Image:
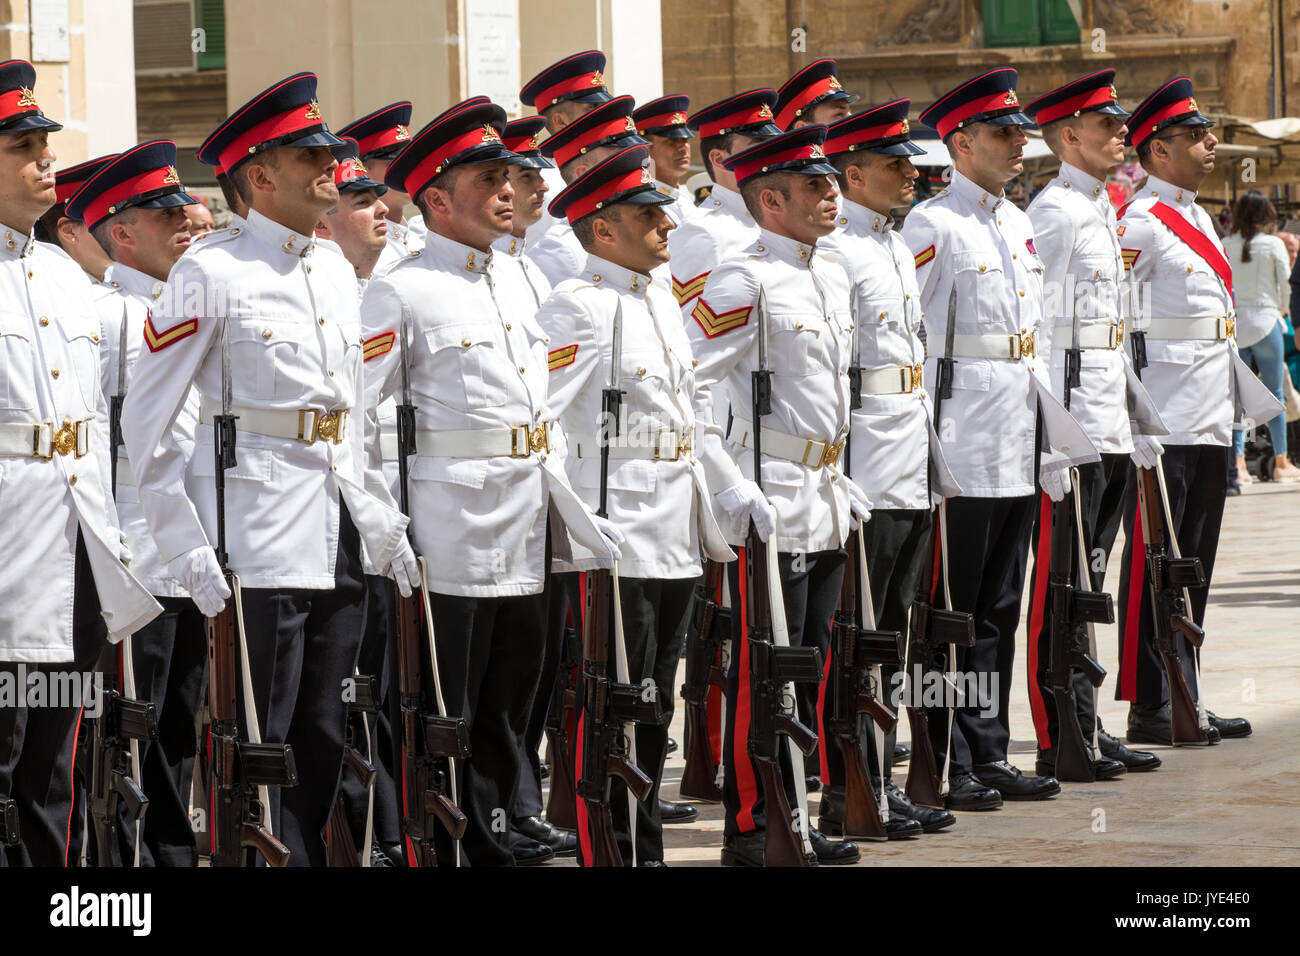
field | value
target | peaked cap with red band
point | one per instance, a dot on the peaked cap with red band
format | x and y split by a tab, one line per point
665	116
623	178
468	133
817	82
68	181
609	124
1094	93
749	113
881	129
383	132
987	98
18	110
580	78
798	151
350	175
523	137
1171	105
142	177
285	114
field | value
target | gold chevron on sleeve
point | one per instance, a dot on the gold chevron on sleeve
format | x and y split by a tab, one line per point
560	358
378	345
1130	258
685	291
714	323
157	341
925	255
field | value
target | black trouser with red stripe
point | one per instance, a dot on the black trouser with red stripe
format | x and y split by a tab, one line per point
810	586
988	548
561	589
1197	483
895	542
37	743
1101	486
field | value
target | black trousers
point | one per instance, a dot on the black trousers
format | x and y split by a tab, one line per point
895	541
988	548
375	659
1101	487
561	590
1197	483
302	646
37	743
810	586
489	660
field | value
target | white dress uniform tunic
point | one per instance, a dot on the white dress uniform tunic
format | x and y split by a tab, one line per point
558	254
477	366
682	207
721	228
658	494
401	243
54	469
295	352
516	250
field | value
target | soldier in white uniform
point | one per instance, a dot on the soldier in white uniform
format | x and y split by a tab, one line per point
662	123
65	579
1173	255
489	497
359	224
724	226
971	239
144	237
892	443
657	491
578	147
786	185
70	236
380	136
297	508
1074	230
813	96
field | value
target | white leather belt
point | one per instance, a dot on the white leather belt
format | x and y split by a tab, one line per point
388	445
665	446
813	452
999	346
892	380
307	425
518	441
43	440
1109	335
1213	328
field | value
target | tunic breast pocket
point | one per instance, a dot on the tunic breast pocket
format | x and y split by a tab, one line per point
980	283
473	365
84	347
17	370
261	357
798	348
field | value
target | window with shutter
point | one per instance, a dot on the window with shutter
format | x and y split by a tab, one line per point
210	16
162	36
1028	23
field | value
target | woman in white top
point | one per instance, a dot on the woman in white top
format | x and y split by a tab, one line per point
1261	274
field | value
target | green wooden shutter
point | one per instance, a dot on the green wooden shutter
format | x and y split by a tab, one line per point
210	16
1012	23
1059	25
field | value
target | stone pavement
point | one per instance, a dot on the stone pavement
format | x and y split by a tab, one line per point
1235	804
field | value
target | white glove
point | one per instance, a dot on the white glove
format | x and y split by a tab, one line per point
123	550
1146	450
745	501
404	569
613	537
1054	476
200	574
859	504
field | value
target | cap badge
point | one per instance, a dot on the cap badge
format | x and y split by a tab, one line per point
536	140
817	152
678	119
1011	99
597	79
765	112
905	126
631	126
354	166
313	111
834	82
1114	94
402	132
26	97
490	134
1191	104
645	176
172	178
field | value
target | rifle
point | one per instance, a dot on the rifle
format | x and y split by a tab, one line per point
562	800
934	634
774	666
1170	574
710	630
341	847
608	750
242	770
432	740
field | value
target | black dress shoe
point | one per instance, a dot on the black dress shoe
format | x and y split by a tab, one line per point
1106	768
391	850
670	812
379	860
930	821
743	849
672	746
562	842
812	784
900	827
1014	785
967	793
1229	726
1137	761
901	753
655	863
529	852
1149	725
830	817
832	852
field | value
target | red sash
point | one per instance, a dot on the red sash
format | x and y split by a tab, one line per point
1199	241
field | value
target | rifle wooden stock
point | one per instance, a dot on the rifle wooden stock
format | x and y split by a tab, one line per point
923	781
561	722
604	843
782	845
861	809
711	626
340	847
254	836
699	777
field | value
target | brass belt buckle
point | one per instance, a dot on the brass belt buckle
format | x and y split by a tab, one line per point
1116	333
65	440
1230	326
329	427
539	439
817	459
917	377
832	453
305	434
